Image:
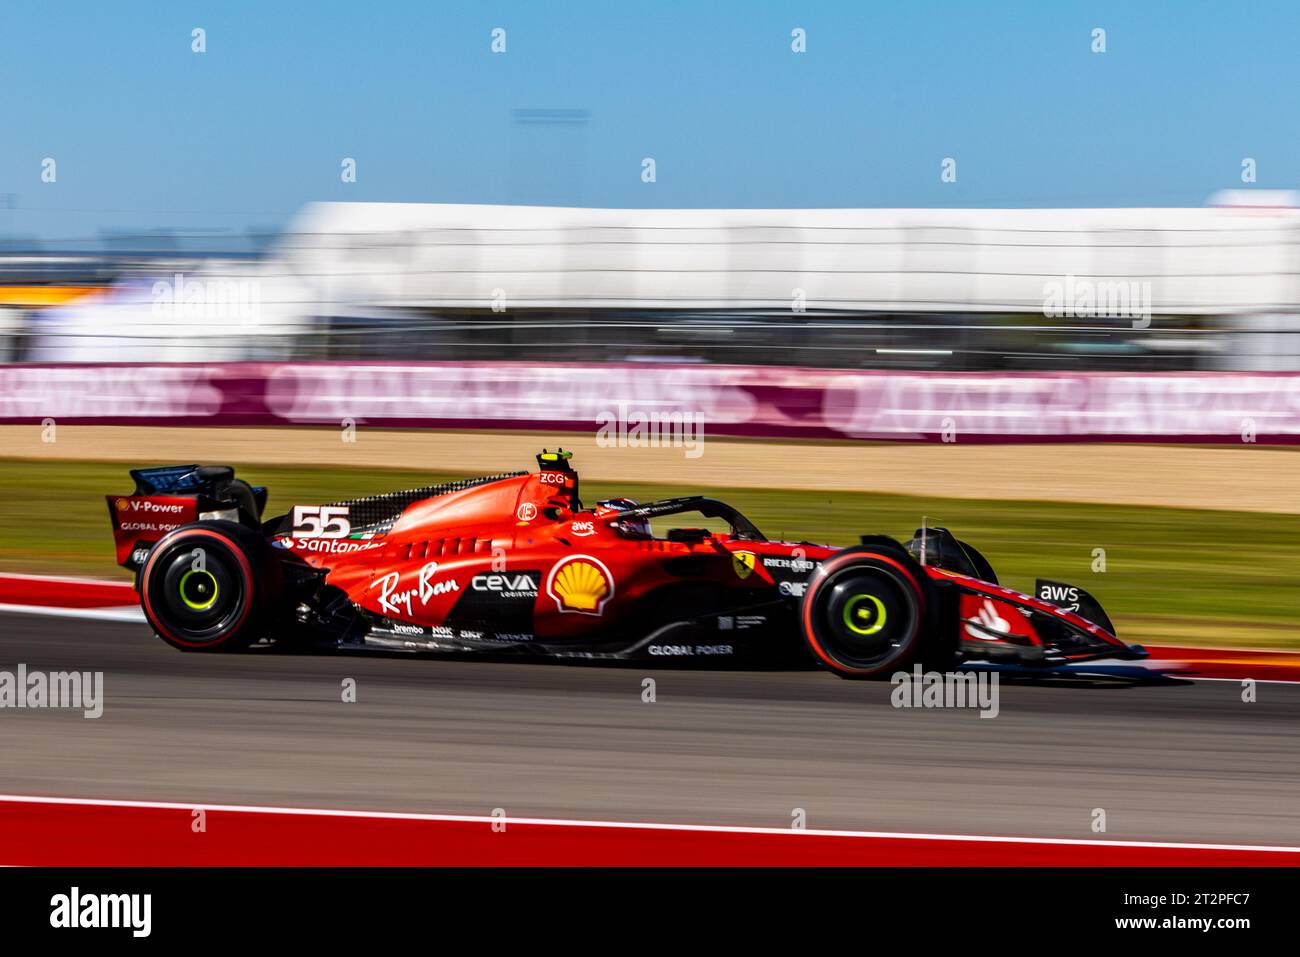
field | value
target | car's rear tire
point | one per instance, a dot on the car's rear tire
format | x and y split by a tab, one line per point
868	613
209	587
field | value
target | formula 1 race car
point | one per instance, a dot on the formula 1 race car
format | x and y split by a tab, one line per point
515	563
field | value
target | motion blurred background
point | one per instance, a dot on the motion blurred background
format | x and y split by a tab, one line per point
1131	290
894	263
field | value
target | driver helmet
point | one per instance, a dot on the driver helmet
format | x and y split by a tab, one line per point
632	526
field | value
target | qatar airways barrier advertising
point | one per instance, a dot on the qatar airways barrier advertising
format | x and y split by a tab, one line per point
757	401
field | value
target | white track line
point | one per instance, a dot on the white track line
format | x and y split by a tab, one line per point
63	579
630	825
1237	681
125	613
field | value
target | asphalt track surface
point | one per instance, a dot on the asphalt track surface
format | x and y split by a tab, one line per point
1182	761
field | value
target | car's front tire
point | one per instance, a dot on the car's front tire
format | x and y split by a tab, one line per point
209	587
868	613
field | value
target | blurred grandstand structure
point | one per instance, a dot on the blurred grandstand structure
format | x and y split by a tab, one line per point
1132	290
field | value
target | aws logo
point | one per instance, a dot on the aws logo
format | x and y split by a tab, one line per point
1062	596
580	585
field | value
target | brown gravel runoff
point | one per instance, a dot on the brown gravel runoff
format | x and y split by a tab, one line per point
1244	478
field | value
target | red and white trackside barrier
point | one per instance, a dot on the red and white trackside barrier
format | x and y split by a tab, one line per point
69	597
52	831
52	592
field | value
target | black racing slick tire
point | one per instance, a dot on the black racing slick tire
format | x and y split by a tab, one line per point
210	587
869	613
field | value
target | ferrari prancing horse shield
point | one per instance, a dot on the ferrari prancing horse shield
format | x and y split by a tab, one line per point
743	563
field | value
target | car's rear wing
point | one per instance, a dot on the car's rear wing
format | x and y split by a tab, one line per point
168	497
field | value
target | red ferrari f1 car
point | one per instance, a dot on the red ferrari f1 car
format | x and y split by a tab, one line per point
515	563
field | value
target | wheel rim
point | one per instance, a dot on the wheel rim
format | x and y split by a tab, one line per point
865	614
197	591
868	616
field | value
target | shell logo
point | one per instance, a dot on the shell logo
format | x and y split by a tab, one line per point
123	505
580	585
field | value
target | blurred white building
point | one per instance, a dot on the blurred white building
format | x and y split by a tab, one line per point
214	312
1224	259
371	275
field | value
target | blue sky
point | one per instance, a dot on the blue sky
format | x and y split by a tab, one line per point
147	134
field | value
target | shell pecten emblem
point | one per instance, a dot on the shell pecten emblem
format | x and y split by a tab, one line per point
580	585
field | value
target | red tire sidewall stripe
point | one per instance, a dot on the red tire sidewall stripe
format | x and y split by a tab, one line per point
244	567
829	567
